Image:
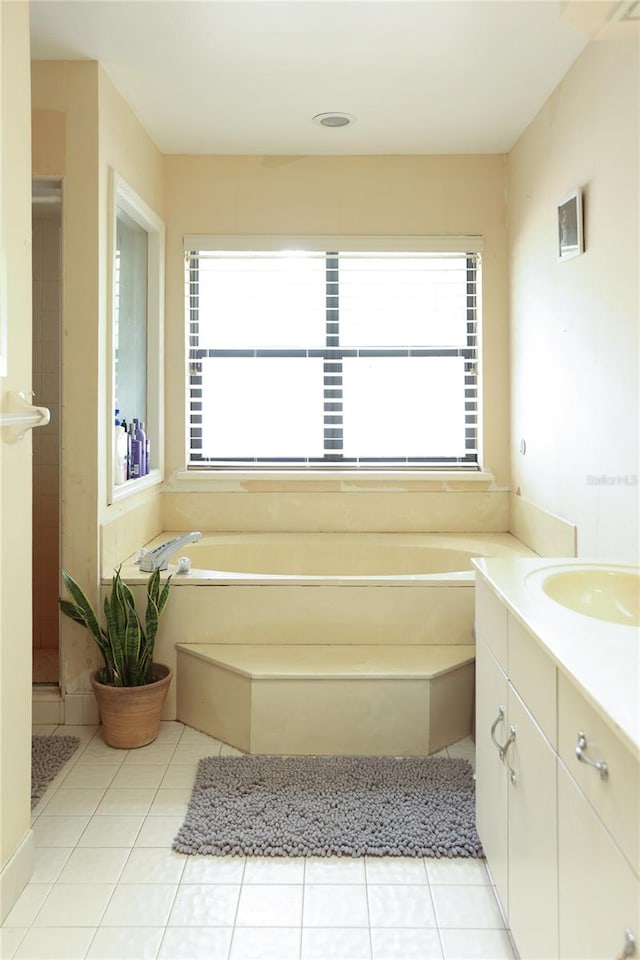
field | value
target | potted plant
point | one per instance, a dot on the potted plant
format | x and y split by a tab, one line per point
130	688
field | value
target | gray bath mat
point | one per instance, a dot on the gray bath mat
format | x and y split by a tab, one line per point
331	806
48	756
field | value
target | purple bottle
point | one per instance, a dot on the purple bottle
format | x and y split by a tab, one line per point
141	436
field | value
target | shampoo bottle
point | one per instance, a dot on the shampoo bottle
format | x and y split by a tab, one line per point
142	437
136	454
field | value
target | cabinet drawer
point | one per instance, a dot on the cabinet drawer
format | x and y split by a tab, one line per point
598	893
533	674
615	799
491	621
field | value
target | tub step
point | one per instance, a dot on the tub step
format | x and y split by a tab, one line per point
382	700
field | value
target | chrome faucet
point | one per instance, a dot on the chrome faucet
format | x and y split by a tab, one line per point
158	557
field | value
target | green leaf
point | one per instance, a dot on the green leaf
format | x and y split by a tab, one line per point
83	607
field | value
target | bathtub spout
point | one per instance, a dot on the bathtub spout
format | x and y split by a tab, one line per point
158	558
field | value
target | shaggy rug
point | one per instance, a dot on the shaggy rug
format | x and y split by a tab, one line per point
331	806
48	756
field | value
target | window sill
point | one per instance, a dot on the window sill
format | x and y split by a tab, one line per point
129	487
347	481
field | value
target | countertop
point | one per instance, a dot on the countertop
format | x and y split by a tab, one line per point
601	658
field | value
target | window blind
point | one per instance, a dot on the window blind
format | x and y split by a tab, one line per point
332	357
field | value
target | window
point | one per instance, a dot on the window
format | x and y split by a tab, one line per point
332	357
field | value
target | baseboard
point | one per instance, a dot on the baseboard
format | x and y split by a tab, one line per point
47	705
544	532
16	874
81	709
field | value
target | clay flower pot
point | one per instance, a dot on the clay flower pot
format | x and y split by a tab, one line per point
130	716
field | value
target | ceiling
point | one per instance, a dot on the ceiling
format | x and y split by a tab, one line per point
247	76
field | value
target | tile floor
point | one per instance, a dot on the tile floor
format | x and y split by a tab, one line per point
106	883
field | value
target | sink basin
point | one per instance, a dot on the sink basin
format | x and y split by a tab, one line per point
608	593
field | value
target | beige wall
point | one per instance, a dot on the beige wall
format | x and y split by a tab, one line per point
82	127
343	196
574	325
15	458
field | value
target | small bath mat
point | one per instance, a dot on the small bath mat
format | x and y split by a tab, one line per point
48	756
331	806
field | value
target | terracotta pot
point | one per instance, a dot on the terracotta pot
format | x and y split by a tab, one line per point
130	716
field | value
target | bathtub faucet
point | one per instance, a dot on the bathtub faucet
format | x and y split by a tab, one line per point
158	558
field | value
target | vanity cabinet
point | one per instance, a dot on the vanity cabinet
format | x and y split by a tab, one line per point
516	782
562	841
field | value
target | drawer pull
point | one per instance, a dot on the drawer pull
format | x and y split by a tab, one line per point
512	737
495	723
600	765
629	949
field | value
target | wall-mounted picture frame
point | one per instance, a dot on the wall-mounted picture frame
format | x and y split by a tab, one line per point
570	232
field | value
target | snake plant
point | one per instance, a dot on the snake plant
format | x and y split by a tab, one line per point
126	643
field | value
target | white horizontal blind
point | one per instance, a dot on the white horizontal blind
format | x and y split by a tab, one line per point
332	357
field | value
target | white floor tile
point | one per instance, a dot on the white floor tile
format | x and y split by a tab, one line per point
94	865
213	870
196	943
260	943
170	802
74	802
146	775
48	863
226	750
74	905
334	870
111	832
197	738
156	754
460	870
26	907
190	752
274	870
133	901
270	905
465	750
402	944
43	729
335	905
58	831
158	831
91	775
477	945
400	905
126	943
466	907
170	731
335	943
10	938
214	905
180	775
126	802
395	870
55	943
153	865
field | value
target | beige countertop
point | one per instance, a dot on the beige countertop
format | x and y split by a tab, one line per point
601	658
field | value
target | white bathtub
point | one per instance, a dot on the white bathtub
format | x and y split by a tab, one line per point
350	557
370	591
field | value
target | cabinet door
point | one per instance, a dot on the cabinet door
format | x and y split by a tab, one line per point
491	775
599	892
533	848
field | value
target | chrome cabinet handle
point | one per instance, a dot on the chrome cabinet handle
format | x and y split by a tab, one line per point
629	949
600	765
512	737
494	725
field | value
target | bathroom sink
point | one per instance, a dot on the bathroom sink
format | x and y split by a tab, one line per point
604	592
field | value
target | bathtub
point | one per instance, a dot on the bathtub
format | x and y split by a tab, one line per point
348	589
345	643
